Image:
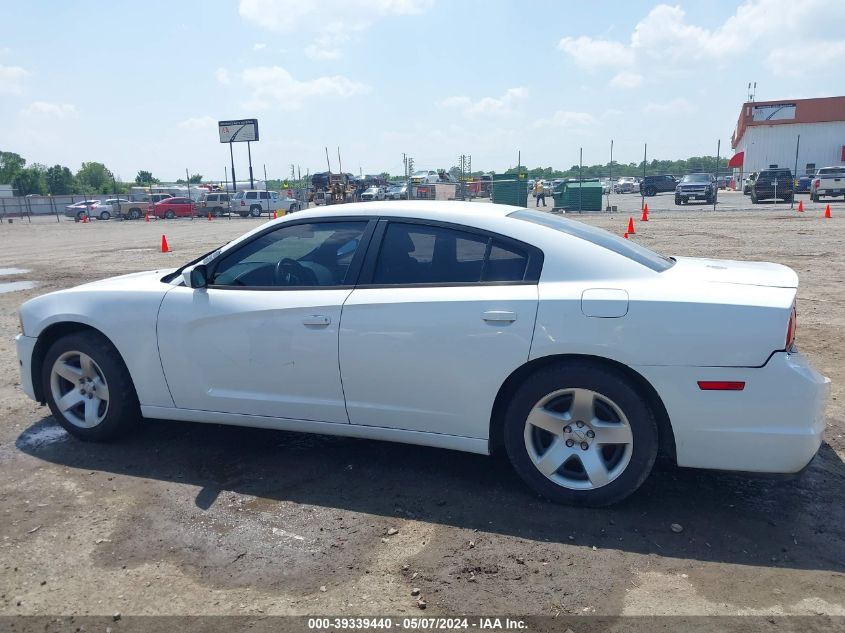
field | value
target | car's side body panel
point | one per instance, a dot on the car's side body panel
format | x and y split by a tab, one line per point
125	310
433	358
254	352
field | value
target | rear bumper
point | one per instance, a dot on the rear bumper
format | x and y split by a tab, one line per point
25	346
775	425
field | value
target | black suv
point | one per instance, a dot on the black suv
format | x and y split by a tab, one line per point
696	187
773	184
652	185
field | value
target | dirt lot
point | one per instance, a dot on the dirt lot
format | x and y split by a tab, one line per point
199	519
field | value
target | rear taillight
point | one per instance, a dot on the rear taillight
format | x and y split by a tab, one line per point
817	184
721	385
790	328
243	204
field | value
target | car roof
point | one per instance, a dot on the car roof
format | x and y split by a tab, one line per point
443	211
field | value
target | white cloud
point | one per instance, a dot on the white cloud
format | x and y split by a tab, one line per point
198	123
487	105
591	53
271	85
284	15
346	17
758	27
566	120
50	110
626	80
675	106
11	78
222	76
259	46
783	60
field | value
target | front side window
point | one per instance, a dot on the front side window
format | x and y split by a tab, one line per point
265	195
419	254
302	255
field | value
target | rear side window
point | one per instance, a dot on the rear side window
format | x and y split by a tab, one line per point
252	195
599	237
419	254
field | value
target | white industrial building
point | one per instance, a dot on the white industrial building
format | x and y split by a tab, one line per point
767	132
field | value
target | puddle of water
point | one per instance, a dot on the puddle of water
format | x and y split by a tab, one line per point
12	271
14	286
42	435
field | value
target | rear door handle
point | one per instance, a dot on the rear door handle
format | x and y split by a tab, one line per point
316	319
499	316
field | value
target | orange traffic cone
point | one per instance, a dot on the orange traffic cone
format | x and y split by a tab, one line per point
625	236
164	247
645	213
827	211
209	216
275	215
800	206
85	219
146	217
631	230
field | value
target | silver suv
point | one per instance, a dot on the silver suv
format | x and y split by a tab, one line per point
255	202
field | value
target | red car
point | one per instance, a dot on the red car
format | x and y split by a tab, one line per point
174	208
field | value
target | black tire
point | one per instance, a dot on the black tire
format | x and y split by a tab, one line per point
255	211
105	215
607	383
708	200
80	216
216	212
134	214
169	214
677	199
122	412
650	191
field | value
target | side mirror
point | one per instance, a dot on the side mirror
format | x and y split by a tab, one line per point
196	277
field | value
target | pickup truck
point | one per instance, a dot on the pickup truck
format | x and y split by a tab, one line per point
135	209
828	181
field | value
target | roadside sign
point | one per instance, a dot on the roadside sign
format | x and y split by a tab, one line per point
238	130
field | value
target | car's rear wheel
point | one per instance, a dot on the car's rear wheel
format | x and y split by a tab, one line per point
134	214
650	191
80	216
169	214
581	434
88	388
216	212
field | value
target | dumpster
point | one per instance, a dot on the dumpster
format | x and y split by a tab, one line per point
578	196
510	189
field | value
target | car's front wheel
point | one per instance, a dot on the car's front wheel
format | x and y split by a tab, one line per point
169	214
677	199
134	214
88	388
650	191
105	215
581	434
255	211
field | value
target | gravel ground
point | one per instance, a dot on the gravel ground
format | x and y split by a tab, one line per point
200	519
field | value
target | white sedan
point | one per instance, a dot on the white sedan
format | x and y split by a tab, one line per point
457	325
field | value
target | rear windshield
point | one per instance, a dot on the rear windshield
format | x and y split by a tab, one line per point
832	171
599	237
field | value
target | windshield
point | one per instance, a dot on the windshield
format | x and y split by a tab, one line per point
696	178
599	237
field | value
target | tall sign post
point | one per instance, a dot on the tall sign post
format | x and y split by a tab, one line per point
237	131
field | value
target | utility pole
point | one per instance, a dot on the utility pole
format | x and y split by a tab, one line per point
249	153
232	157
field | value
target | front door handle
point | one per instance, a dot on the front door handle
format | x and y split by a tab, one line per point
499	316
316	319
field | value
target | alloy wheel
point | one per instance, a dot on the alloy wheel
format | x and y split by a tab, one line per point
79	389
578	438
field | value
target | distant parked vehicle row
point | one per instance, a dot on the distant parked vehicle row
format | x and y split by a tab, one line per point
255	203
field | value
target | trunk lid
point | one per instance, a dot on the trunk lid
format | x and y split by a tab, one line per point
734	272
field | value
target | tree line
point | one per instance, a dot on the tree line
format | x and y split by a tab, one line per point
694	164
90	178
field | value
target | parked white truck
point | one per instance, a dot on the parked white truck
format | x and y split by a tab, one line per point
828	181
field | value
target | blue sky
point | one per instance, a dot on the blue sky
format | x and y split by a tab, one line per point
143	88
